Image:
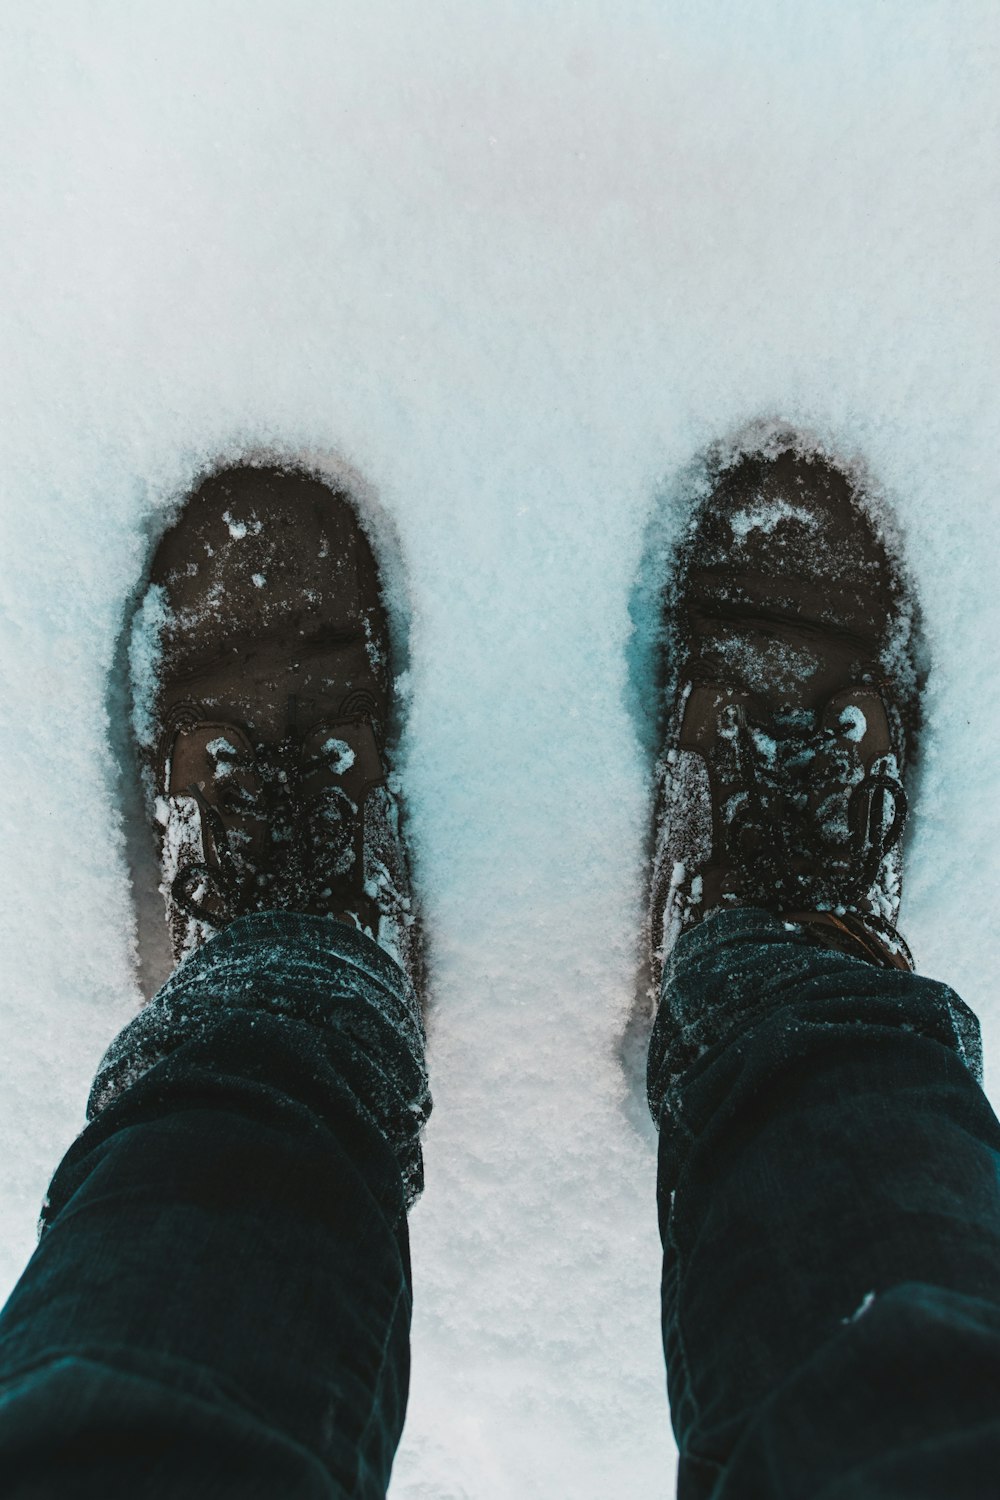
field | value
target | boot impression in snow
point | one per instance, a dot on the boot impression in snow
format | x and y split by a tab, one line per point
792	700
261	713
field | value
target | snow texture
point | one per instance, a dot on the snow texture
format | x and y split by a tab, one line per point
506	268
345	755
853	724
766	517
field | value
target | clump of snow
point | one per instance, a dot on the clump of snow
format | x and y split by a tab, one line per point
220	746
224	753
853	724
237	529
766	516
183	844
766	746
863	1307
342	756
500	272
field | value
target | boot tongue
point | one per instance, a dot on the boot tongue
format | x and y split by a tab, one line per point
337	765
282	822
807	804
215	763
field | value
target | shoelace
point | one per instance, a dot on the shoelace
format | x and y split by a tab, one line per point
777	827
309	837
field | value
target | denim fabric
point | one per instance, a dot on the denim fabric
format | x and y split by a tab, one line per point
830	1213
219	1304
220	1301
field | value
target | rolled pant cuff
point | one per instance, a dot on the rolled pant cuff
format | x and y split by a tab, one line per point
738	967
306	970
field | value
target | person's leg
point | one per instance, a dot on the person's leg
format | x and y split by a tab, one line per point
829	1196
220	1300
828	1192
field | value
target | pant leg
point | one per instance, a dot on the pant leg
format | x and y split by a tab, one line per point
219	1304
829	1205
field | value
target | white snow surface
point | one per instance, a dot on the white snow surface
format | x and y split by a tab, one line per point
514	265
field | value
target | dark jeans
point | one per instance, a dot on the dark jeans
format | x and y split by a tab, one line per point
830	1213
219	1304
220	1300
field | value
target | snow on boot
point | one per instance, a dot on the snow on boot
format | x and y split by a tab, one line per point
793	701
262	681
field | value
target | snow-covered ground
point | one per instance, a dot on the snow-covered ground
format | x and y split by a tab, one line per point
515	264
